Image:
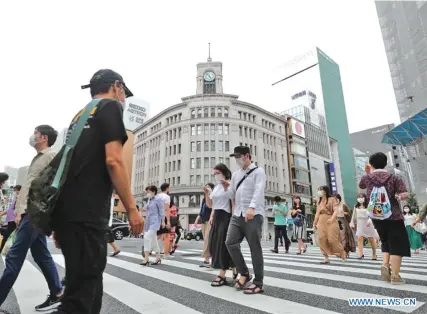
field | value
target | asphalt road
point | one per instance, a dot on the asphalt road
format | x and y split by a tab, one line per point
293	284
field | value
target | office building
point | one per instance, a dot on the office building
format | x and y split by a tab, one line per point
404	30
13	175
316	80
22	173
182	144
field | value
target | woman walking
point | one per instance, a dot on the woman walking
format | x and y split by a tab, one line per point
154	220
299	224
344	218
203	218
364	227
327	226
219	220
415	240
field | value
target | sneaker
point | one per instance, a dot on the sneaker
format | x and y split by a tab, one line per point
205	264
386	273
50	303
397	280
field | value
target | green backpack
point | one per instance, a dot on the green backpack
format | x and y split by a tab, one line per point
45	189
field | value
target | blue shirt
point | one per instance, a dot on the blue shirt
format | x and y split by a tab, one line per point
155	213
280	215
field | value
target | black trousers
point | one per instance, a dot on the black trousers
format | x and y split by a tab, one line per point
11	226
279	232
85	253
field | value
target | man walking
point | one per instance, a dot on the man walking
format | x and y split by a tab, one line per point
80	219
247	189
27	237
164	233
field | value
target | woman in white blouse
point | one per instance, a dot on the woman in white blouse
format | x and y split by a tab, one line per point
220	219
363	225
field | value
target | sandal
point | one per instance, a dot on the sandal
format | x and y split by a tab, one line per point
241	286
235	273
253	290
218	283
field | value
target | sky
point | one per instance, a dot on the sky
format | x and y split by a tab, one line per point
49	49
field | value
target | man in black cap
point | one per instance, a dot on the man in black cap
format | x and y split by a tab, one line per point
247	189
82	213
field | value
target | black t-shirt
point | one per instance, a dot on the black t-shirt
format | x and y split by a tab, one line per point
86	195
300	207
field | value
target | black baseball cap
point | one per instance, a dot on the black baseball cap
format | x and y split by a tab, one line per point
107	76
240	150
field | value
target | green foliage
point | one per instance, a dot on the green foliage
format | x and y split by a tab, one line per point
313	207
413	203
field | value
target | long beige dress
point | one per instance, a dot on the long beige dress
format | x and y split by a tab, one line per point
329	233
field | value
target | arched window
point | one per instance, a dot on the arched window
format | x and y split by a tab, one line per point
212	112
219	112
206	112
225	112
199	113
193	114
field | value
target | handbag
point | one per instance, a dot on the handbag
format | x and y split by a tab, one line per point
421	228
45	189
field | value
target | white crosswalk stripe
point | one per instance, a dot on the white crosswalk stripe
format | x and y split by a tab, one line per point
293	284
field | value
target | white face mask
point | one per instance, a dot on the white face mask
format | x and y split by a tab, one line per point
33	141
361	200
240	162
320	193
406	210
219	177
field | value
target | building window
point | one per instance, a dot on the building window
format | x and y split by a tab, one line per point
209	87
206	144
199	163
213	162
226	113
199	129
227	146
178	179
219	129
193	163
219	112
193	114
221	160
206	179
227	162
199	113
198	180
179	165
206	162
174	149
199	146
220	146
174	134
212	112
193	130
206	112
179	133
179	148
206	127
193	146
192	180
240	130
174	166
226	129
212	129
212	146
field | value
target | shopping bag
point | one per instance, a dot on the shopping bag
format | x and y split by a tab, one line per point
315	238
421	228
9	243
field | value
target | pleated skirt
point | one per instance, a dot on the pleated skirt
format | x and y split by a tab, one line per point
220	257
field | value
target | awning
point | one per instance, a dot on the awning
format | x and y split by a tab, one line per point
409	132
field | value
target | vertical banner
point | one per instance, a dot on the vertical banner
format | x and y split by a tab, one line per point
333	178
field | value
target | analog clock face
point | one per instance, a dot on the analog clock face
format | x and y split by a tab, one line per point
209	76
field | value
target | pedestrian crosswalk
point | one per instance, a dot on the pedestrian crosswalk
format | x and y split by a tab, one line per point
293	284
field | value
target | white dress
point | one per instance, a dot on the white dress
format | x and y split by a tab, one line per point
364	226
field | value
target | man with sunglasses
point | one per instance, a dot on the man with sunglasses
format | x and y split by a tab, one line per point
82	213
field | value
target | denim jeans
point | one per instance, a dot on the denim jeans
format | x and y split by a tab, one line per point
28	238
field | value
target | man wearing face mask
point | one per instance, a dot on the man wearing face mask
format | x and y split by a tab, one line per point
247	189
82	213
27	237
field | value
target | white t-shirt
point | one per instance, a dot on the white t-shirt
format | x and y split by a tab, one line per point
165	198
220	199
110	223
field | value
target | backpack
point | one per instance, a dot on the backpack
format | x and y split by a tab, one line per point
45	189
379	206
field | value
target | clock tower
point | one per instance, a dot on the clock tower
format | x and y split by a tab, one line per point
209	77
